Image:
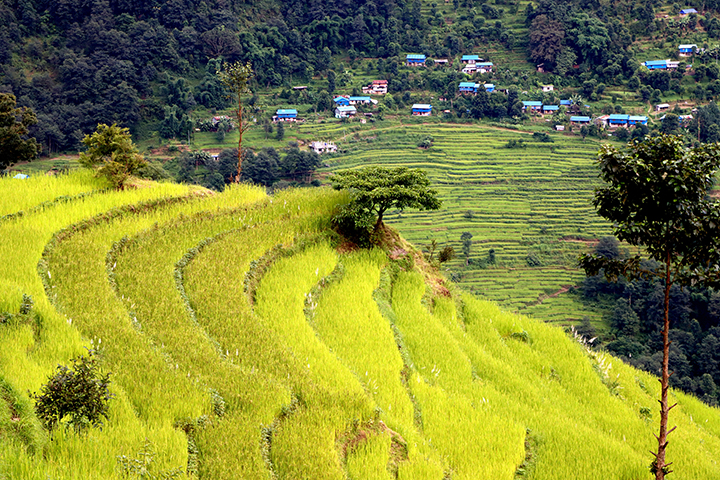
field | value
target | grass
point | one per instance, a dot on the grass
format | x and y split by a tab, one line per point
243	344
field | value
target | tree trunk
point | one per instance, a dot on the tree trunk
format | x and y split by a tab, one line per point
661	468
240	133
379	221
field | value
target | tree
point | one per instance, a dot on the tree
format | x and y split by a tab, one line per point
80	393
546	40
374	190
657	197
235	77
466	238
15	145
110	151
280	133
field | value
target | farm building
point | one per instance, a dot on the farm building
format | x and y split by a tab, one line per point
484	67
468	87
342	101
660	107
489	87
637	120
470	59
618	120
361	100
442	61
686	50
550	108
285	115
377	87
531	105
579	120
656	64
565	103
687	11
547	88
422	109
345	111
323	147
415	60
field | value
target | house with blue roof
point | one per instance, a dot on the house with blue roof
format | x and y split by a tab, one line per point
531	105
484	67
489	87
550	108
468	87
422	109
579	120
285	115
686	50
359	100
470	59
343	101
415	60
656	64
687	11
618	120
345	111
637	120
565	103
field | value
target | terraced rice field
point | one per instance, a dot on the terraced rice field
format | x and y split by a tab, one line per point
243	344
532	206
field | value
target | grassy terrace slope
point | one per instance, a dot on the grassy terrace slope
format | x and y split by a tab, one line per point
244	345
531	205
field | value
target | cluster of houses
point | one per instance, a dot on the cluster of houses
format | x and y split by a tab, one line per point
471	63
345	105
377	87
684	50
609	121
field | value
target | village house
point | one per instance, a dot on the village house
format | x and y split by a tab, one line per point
377	87
489	87
345	111
470	59
285	115
341	101
531	105
560	128
323	147
484	67
421	109
550	108
361	100
565	103
686	50
443	62
661	107
656	64
618	120
547	88
415	60
687	11
579	120
468	87
637	120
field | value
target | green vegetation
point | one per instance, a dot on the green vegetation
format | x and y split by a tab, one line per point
244	345
15	144
110	151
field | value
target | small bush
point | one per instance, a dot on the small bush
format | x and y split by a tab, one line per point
80	393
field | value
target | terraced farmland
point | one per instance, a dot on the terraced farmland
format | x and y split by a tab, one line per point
531	205
242	344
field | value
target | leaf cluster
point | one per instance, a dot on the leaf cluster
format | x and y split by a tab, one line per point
79	393
15	145
110	151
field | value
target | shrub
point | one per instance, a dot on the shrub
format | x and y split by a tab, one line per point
80	393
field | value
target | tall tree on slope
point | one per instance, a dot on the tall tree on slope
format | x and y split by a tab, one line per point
236	77
657	197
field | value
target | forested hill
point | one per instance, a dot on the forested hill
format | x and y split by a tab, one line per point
78	63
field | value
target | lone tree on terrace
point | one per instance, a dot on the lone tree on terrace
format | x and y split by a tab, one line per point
235	77
374	190
657	198
110	151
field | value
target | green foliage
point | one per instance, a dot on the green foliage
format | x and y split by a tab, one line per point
110	151
79	394
15	144
142	466
374	190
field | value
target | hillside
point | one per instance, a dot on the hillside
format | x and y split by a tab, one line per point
243	343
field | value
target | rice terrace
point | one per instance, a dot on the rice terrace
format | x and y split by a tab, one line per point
244	343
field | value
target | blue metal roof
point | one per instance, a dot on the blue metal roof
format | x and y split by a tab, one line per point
422	106
340	100
551	107
637	118
687	11
531	103
655	62
470	57
347	108
565	102
468	84
360	99
579	119
484	64
415	56
619	117
288	111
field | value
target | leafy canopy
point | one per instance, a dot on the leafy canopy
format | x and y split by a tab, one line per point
110	151
15	145
81	394
657	197
374	190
